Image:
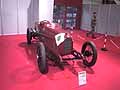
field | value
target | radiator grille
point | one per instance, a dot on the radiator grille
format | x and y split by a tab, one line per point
68	44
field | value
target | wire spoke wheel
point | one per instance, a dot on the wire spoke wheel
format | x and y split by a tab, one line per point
89	53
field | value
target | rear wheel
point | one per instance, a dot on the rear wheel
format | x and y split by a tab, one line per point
89	53
29	36
41	58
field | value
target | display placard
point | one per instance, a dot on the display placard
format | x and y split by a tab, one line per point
82	78
59	38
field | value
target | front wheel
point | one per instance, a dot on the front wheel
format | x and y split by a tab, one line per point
89	53
41	58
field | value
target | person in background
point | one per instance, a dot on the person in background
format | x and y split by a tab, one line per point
93	25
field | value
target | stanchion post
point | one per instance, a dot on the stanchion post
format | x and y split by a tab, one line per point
105	41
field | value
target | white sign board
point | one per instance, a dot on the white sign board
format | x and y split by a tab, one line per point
82	78
59	38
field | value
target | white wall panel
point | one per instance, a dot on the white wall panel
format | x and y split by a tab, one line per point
22	22
17	15
46	10
22	15
9	16
102	19
114	20
40	10
35	10
33	13
30	14
108	18
86	17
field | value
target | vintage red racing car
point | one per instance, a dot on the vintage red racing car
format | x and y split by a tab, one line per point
54	43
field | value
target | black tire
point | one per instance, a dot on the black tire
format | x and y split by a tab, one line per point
41	58
89	53
29	36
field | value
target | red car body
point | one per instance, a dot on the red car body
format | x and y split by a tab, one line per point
49	31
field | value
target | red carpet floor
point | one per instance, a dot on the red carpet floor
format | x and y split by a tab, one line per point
18	68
